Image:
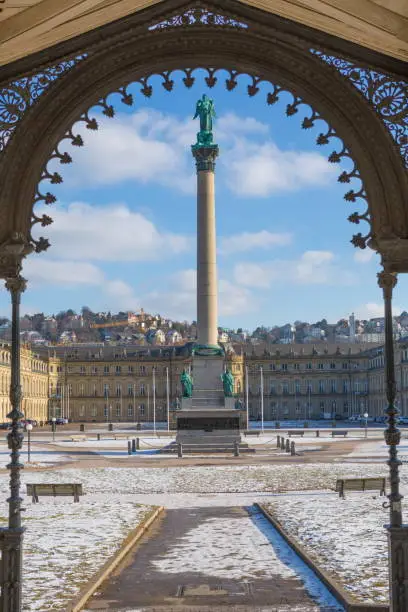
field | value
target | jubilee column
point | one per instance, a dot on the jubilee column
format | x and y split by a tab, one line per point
205	153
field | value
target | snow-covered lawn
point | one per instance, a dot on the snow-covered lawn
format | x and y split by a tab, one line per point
209	479
39	457
346	537
66	543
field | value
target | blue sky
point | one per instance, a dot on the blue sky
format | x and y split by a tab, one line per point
124	225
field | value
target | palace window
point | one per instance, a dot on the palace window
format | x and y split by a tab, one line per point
106	390
118	410
81	390
95	391
321	386
296	366
320	366
333	386
94	370
346	386
309	366
332	365
284	367
118	390
297	406
94	410
118	369
142	369
345	365
297	386
130	410
285	389
142	389
130	390
106	369
130	369
82	370
105	411
82	411
142	409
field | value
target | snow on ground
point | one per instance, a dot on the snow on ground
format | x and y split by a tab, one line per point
39	456
210	479
215	548
346	537
66	543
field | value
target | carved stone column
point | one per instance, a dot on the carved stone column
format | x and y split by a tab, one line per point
12	538
397	533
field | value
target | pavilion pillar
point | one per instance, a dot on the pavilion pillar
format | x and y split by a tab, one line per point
397	532
11	538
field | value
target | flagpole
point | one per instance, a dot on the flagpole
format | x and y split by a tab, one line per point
168	398
247	396
154	399
262	400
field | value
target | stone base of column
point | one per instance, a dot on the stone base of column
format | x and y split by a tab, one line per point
398	567
11	568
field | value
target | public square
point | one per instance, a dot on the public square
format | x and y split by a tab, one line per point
210	541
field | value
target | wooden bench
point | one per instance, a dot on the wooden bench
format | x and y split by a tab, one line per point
164	434
254	432
296	432
339	433
54	490
360	484
122	436
78	438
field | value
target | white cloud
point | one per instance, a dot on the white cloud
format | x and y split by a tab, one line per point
372	310
152	147
110	233
44	271
312	267
363	255
178	298
259	170
247	241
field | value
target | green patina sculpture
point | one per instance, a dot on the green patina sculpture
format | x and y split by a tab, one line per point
228	383
186	383
205	111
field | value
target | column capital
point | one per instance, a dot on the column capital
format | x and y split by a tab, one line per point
387	282
205	156
16	284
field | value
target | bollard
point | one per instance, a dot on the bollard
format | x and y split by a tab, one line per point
287	449
282	443
179	449
236	449
292	448
278	442
82	427
137	444
133	445
110	427
129	447
317	433
98	437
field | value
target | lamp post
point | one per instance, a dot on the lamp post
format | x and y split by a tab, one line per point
54	425
247	396
365	415
28	429
168	398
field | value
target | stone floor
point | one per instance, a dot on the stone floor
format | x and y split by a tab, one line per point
198	559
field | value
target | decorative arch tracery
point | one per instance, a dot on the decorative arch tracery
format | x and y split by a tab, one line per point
200	27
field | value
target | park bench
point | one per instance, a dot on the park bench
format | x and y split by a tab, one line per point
164	434
295	432
252	433
339	433
54	490
78	438
360	484
122	436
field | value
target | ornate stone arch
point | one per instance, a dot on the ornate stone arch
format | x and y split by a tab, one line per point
198	36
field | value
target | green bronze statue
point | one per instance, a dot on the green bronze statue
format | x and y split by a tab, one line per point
186	383
205	111
228	383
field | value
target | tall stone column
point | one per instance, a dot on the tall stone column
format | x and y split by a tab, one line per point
207	298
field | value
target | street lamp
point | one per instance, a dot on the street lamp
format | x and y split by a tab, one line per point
54	420
365	415
28	429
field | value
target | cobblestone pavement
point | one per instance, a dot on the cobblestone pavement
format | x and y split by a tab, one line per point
217	558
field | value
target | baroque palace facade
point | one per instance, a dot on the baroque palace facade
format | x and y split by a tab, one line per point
121	384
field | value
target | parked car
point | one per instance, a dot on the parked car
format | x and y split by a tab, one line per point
402	420
5	425
355	418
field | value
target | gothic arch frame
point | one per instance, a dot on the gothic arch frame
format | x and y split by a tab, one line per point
131	51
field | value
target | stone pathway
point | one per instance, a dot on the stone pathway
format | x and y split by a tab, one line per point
213	558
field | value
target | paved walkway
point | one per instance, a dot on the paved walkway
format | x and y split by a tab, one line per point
213	558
